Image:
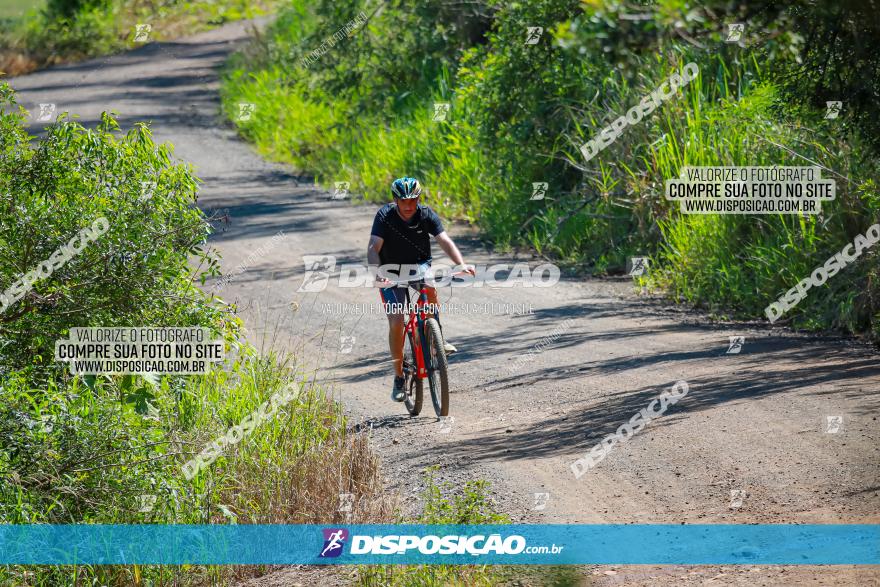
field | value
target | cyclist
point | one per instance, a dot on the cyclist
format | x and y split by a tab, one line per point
400	236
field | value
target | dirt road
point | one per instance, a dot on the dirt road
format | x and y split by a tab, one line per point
748	443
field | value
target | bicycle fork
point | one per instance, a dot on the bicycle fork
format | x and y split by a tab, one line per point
420	343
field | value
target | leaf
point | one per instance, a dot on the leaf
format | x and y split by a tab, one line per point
141	399
151	378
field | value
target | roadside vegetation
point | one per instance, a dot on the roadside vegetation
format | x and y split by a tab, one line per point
109	449
38	34
363	112
443	503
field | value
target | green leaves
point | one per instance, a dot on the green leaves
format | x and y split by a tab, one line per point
141	399
136	273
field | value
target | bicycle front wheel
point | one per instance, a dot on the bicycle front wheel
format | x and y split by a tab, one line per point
412	385
435	360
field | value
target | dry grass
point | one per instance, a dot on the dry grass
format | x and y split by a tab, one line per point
13	63
305	489
302	485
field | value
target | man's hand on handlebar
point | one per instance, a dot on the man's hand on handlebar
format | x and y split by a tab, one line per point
463	269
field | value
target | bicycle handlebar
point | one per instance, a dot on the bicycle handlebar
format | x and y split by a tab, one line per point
414	282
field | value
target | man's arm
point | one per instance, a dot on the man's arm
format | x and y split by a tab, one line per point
373	249
373	260
452	251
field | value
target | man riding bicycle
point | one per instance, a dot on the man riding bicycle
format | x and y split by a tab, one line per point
400	236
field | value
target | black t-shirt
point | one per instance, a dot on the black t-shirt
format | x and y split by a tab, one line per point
406	242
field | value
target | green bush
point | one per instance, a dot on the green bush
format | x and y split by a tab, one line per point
63	182
70	8
84	453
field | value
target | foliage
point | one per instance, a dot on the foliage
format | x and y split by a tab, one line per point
82	454
109	449
54	187
519	113
70	30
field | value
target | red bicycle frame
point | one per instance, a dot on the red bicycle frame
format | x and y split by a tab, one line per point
414	327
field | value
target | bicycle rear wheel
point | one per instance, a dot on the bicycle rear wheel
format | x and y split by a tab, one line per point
435	360
412	385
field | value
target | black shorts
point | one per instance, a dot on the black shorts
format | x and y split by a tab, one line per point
393	299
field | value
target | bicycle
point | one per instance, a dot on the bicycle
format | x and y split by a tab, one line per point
424	356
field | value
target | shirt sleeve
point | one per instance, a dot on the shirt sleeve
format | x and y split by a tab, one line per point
435	226
378	225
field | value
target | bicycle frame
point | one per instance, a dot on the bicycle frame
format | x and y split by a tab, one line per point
415	325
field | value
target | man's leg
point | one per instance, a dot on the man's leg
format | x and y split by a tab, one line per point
395	341
394	300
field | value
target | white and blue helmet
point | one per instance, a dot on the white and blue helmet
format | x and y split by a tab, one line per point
406	188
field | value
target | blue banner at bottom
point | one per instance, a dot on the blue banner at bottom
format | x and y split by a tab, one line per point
716	544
